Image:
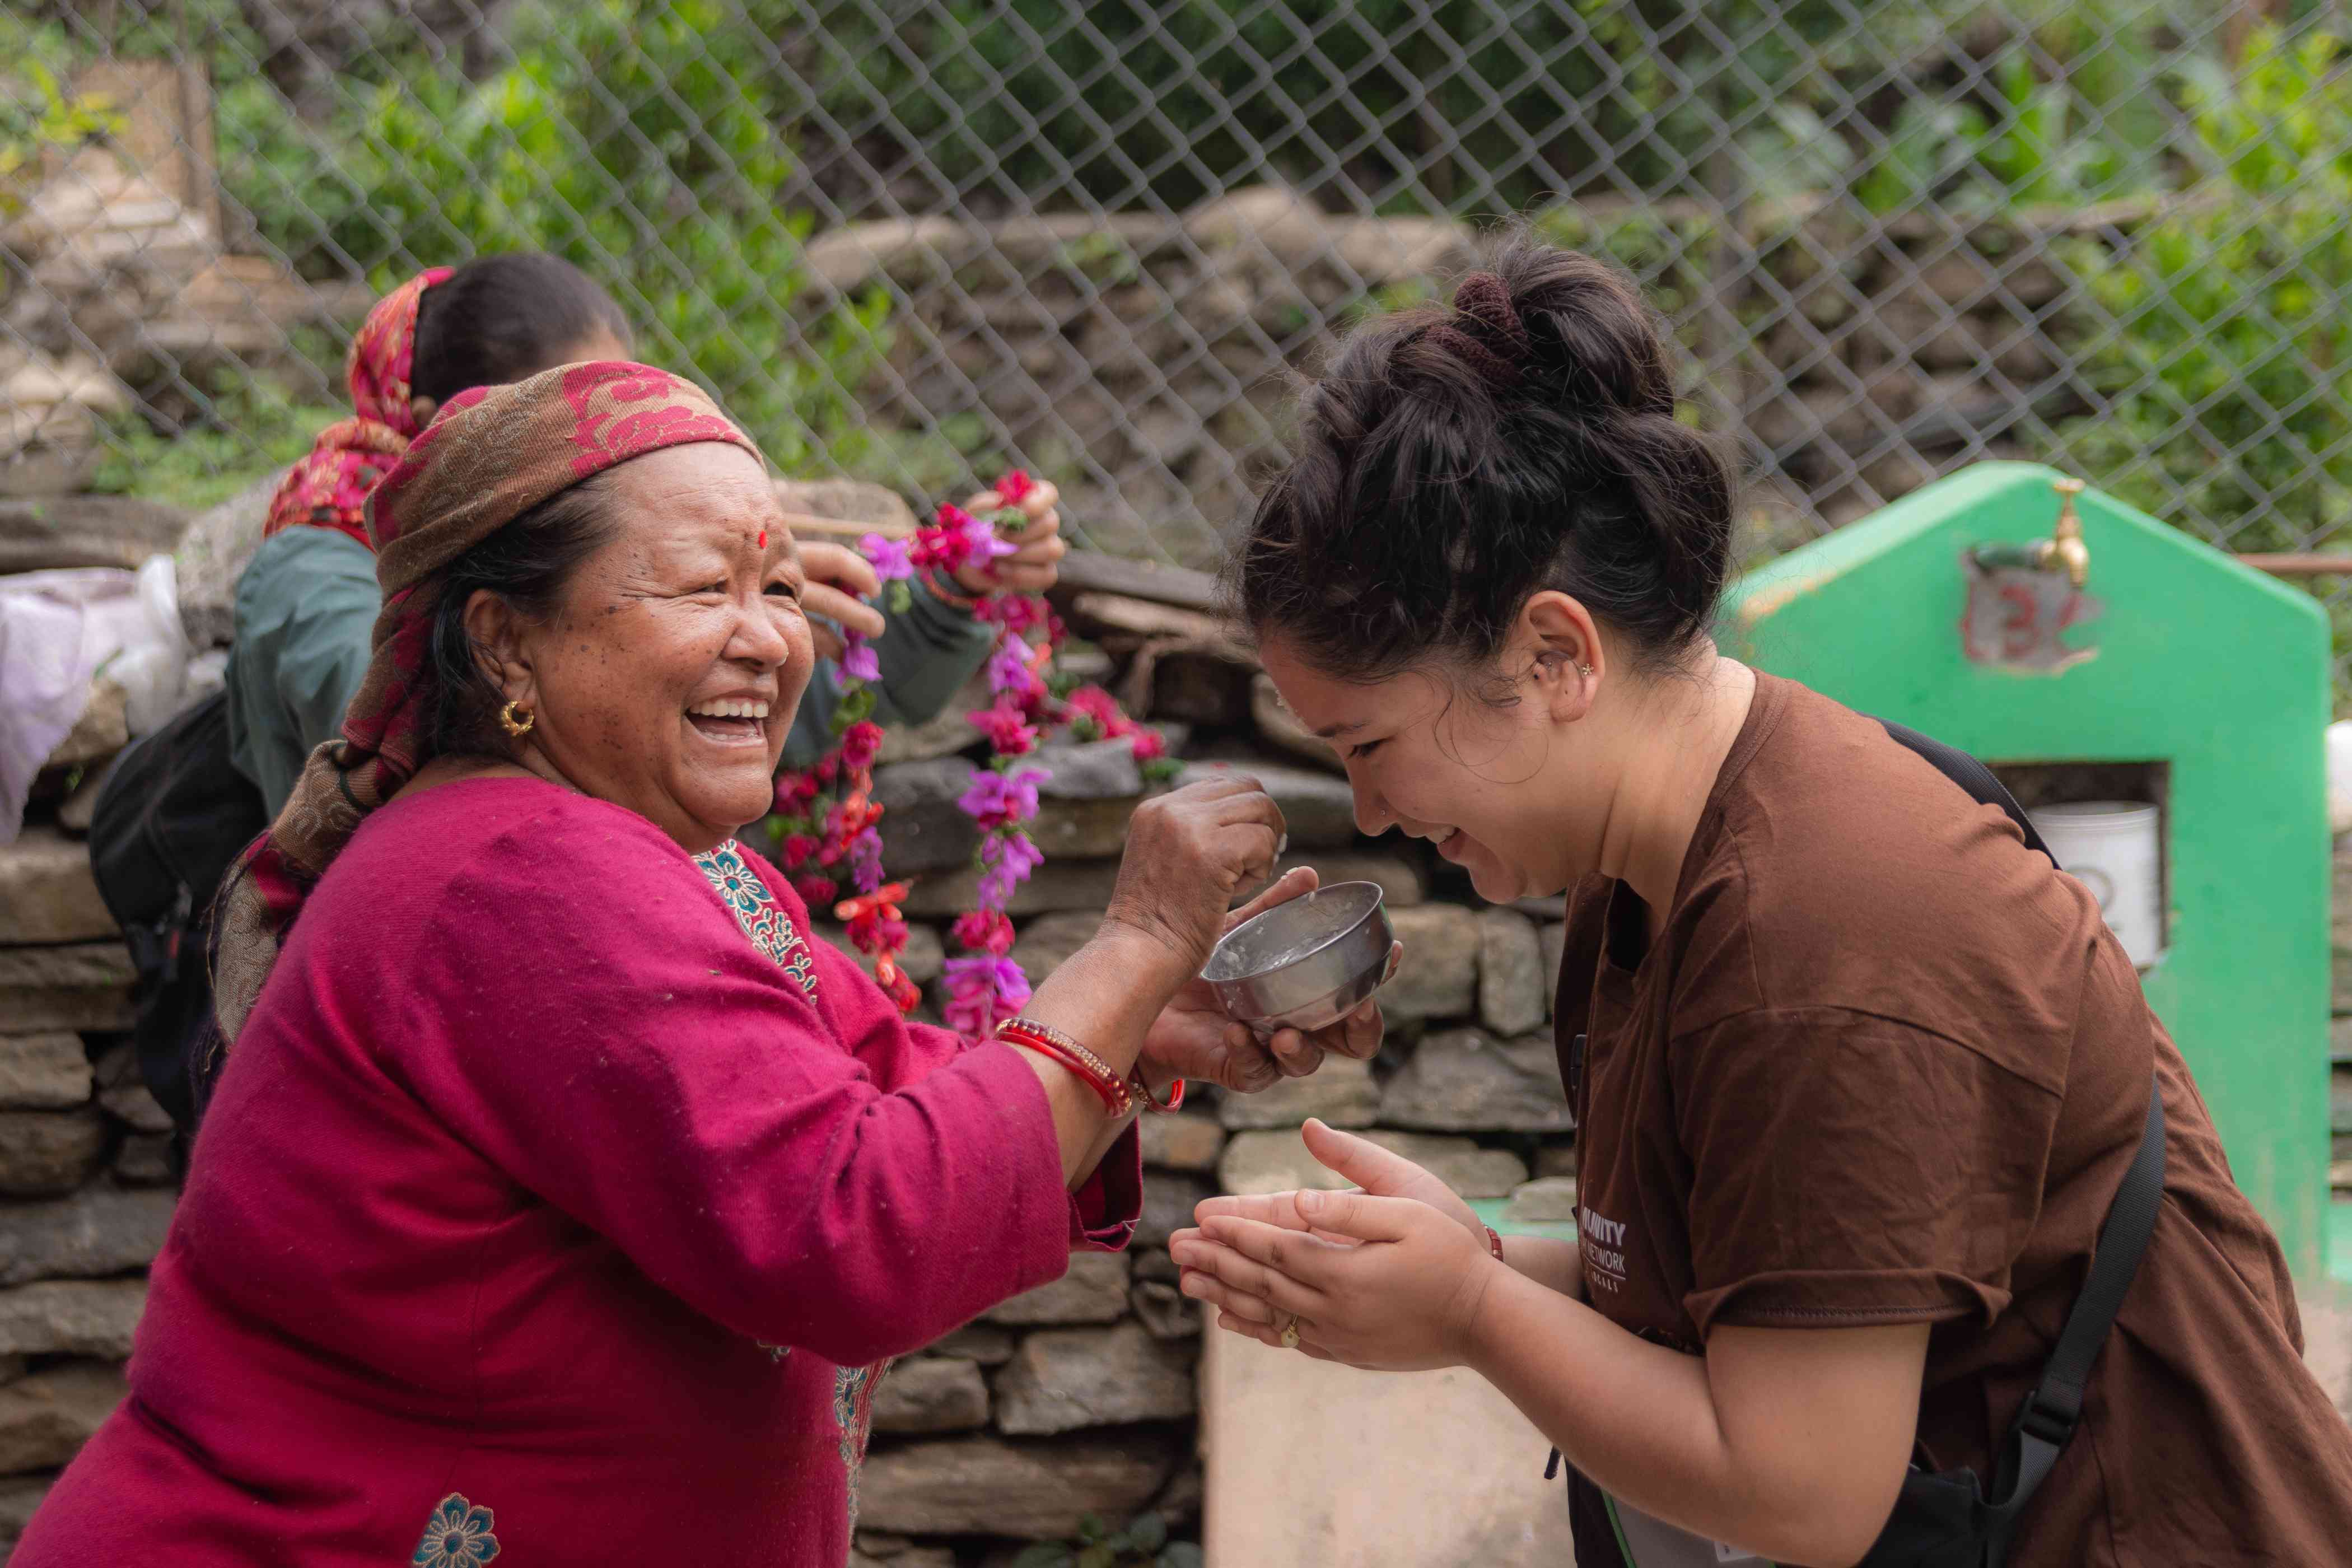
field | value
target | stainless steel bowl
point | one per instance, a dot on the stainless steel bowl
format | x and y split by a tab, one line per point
1305	964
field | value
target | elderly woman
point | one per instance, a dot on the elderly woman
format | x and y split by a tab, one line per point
559	1194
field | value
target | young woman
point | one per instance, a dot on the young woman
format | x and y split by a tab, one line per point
305	605
1863	1073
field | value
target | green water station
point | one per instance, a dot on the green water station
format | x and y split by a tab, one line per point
2160	708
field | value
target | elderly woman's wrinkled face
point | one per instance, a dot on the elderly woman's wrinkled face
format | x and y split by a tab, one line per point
668	678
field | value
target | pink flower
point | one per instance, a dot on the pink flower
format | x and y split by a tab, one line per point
797	849
1092	702
858	659
1001	800
893	560
860	744
984	930
1013	487
982	992
1009	672
1008	735
980	541
1006	861
815	891
1149	744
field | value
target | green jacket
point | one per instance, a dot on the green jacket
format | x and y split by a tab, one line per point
307	603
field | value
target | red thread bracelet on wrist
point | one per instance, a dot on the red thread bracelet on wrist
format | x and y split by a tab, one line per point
945	592
1495	1243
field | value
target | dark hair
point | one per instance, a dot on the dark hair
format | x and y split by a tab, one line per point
1455	459
502	318
527	563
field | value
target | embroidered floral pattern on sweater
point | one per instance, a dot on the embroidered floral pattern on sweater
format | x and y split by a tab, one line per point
853	1412
756	910
457	1536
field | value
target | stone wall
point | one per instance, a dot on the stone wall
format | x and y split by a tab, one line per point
1145	360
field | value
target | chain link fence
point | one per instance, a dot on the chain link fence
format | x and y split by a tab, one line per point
913	241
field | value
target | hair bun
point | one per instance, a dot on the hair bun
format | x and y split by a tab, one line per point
1486	331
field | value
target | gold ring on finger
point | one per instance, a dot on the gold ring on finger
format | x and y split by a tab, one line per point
1290	1333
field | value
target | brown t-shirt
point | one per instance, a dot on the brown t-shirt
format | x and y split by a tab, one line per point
1884	1066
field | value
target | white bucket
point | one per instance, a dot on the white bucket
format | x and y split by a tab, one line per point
2114	849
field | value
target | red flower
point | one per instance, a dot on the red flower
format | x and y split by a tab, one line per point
1092	702
814	892
1149	744
795	792
859	745
1008	734
798	847
947	545
984	930
828	768
1015	487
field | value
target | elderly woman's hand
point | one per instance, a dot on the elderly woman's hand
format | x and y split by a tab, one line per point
1194	1038
1035	565
1189	853
839	582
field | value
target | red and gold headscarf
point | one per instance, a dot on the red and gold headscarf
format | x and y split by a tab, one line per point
490	454
329	488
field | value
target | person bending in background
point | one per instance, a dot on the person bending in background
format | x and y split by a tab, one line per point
308	602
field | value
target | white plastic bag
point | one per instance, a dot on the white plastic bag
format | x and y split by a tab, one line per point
59	631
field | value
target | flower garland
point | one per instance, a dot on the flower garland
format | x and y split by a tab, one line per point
826	824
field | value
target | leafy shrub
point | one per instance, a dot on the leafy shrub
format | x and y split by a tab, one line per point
2229	371
636	139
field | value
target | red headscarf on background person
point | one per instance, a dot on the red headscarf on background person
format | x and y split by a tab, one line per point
491	454
329	488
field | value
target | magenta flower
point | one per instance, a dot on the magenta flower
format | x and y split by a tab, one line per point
892	559
1008	668
981	539
982	992
1006	861
858	659
1001	800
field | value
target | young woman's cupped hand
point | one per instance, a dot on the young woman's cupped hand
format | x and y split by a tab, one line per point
1387	1277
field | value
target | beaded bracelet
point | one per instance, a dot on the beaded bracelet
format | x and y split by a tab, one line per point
1168	1106
1495	1243
1048	1041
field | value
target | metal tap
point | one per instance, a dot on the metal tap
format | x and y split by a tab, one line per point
2063	551
2064	548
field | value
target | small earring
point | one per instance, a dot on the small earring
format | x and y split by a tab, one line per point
1585	671
517	728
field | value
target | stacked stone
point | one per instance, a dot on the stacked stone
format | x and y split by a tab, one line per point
85	1166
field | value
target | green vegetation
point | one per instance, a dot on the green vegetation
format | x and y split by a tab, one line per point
1143	1543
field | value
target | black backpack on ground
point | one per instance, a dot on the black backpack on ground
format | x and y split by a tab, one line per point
172	815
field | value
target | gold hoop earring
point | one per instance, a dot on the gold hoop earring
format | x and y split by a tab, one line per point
517	728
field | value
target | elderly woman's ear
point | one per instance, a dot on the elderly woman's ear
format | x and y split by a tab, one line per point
497	629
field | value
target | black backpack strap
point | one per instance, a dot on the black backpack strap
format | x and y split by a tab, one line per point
1972	776
2055	1406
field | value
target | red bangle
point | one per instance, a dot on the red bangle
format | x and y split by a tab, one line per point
1168	1106
1048	1041
1495	1243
